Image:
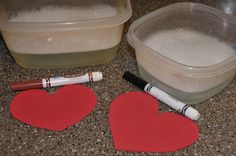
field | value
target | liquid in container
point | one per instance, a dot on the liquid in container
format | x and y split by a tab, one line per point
186	49
60	33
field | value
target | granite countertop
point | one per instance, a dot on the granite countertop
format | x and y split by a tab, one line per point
92	135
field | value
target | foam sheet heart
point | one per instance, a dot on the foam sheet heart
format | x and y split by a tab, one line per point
57	111
138	126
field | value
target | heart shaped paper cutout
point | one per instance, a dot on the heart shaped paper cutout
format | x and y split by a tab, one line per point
137	126
57	111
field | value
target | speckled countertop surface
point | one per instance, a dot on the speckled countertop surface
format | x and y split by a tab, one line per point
92	135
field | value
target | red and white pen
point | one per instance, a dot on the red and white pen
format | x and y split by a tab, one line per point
57	81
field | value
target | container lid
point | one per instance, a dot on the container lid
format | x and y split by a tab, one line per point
57	15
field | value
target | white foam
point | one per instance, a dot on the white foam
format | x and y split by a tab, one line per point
191	48
56	14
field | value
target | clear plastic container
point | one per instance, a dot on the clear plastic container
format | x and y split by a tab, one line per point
60	33
186	49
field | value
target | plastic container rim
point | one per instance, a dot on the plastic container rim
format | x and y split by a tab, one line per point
68	25
191	71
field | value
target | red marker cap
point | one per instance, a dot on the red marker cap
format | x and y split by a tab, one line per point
32	84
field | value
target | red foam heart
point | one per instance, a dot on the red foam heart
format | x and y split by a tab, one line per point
57	111
137	126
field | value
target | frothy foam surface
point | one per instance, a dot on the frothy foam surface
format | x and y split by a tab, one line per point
57	14
191	48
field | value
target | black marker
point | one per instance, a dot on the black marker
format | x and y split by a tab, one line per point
181	107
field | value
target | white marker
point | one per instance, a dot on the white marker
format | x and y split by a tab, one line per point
181	107
57	81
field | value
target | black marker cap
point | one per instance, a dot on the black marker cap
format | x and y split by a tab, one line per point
134	80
